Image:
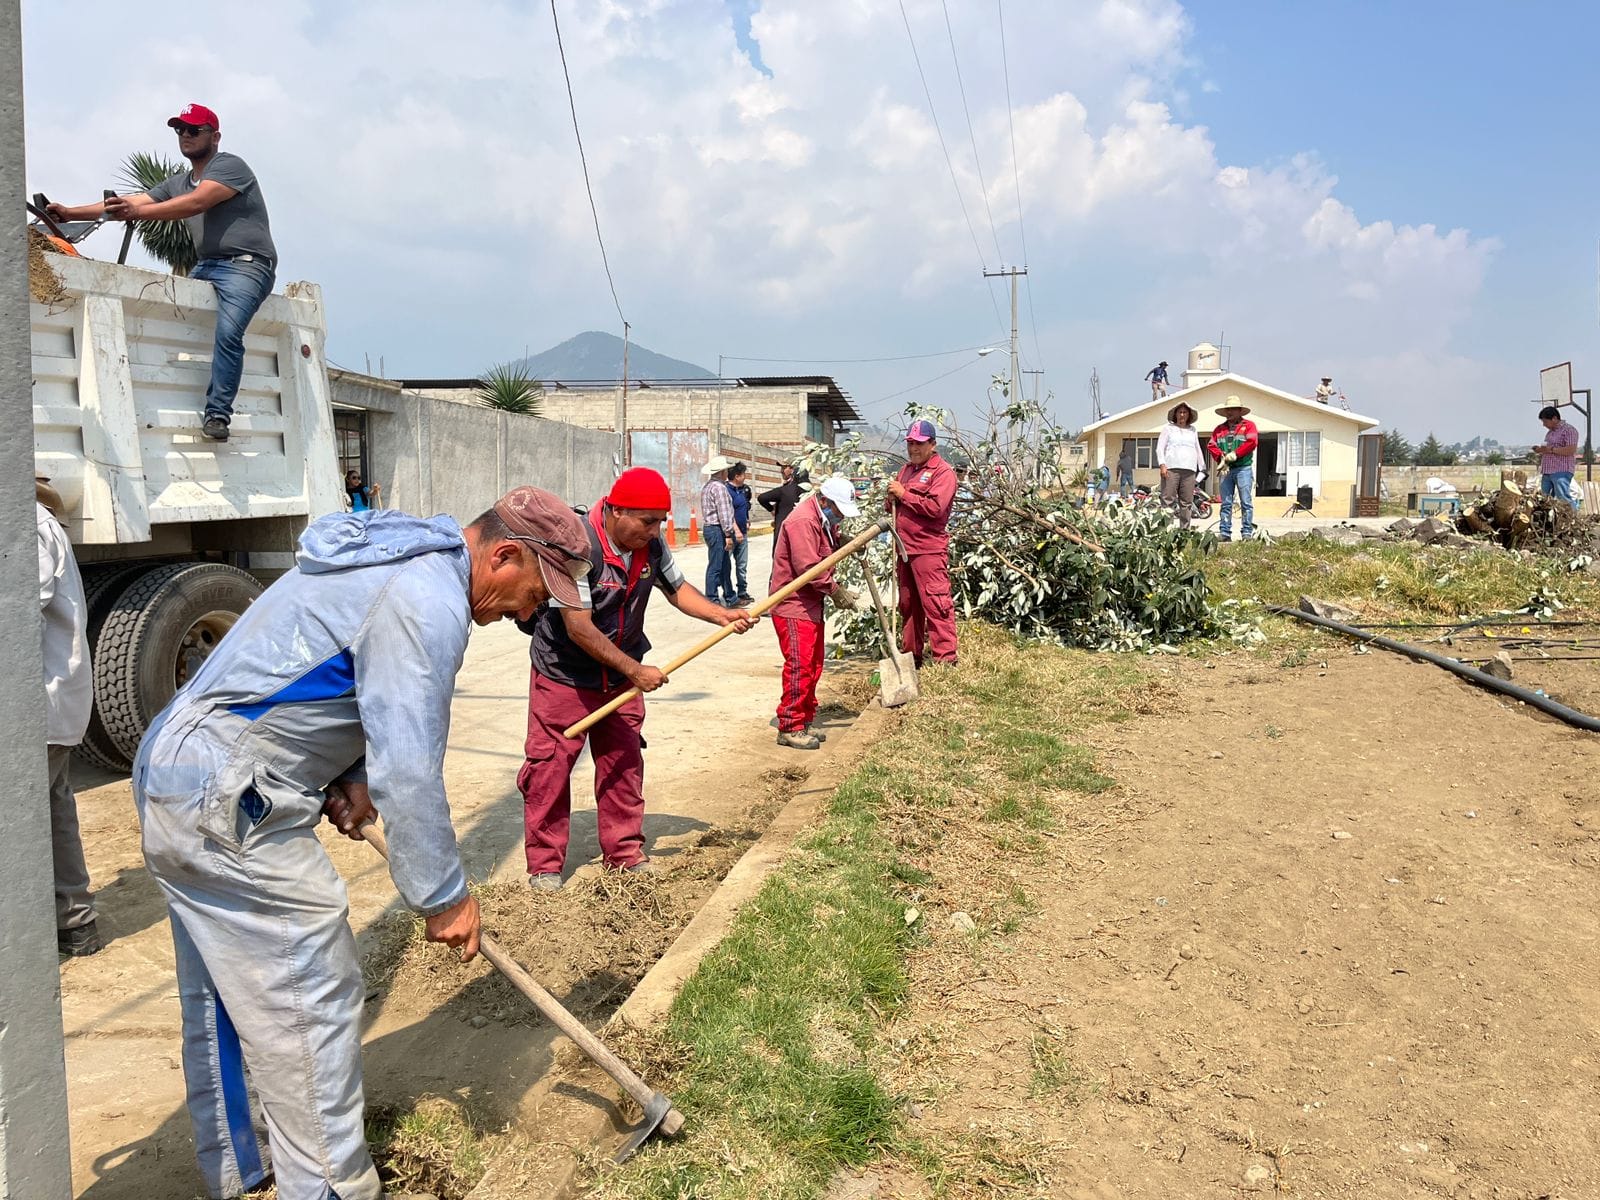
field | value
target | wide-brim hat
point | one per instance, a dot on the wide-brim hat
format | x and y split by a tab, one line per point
1233	405
1172	413
719	463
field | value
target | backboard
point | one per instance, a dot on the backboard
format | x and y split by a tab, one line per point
1555	385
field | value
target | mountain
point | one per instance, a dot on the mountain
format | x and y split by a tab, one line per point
596	355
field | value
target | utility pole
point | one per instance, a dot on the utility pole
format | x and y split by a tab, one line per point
1036	375
623	455
1013	273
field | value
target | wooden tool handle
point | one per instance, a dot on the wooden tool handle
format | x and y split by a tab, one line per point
547	1004
883	615
778	597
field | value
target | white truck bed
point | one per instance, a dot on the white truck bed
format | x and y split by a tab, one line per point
120	369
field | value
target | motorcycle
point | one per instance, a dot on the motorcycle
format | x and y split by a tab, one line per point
1199	507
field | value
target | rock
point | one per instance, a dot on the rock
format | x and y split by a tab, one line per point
1339	535
1455	541
1402	527
1304	1005
1216	754
1187	952
1257	1178
479	1021
963	922
1339	835
1294	535
1499	666
1430	530
1326	608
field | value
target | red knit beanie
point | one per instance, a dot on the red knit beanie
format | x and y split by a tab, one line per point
642	488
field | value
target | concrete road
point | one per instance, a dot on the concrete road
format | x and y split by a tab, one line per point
708	743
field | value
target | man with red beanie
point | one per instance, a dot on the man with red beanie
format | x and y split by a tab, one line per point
920	497
583	655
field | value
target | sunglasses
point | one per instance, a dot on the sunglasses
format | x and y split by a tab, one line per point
561	550
189	130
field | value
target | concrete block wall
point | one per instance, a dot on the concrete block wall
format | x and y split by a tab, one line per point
439	456
766	416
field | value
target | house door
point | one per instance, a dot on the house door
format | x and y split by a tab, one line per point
1303	461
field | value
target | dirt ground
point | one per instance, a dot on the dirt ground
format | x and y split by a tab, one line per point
1332	934
713	778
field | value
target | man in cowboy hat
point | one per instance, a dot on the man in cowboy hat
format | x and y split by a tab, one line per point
1233	445
1325	390
1157	377
721	530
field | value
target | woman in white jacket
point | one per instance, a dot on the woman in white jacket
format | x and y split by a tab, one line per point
1178	456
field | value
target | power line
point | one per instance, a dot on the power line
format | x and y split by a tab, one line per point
972	137
887	358
923	384
572	104
1016	176
954	182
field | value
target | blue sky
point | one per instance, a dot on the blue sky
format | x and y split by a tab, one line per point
1398	195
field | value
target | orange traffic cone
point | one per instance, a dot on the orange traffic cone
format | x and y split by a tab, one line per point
694	527
672	533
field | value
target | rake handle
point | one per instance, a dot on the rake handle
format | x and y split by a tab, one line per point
552	1008
778	597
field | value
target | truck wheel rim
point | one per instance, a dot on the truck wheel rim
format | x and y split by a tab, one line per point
200	641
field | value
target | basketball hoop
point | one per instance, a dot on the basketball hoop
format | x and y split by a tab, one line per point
1555	385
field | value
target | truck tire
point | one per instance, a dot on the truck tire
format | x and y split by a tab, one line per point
159	631
101	587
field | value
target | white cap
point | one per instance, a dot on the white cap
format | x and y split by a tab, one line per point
842	494
719	463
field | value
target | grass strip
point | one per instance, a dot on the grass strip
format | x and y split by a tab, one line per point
773	1048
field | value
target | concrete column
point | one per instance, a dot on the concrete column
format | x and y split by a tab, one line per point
34	1159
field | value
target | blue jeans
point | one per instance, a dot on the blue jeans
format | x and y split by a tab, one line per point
1125	482
741	563
1243	481
241	287
719	567
1559	485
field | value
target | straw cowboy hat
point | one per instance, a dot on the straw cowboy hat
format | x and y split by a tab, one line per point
1233	405
1172	413
49	497
719	463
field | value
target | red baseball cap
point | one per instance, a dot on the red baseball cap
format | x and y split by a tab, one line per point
557	535
194	114
641	488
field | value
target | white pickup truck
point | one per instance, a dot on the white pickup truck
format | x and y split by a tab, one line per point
175	534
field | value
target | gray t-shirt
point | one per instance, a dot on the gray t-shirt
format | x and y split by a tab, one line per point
236	226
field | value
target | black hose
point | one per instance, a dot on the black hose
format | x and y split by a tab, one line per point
1471	674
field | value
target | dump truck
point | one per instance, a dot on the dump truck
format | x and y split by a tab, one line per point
175	534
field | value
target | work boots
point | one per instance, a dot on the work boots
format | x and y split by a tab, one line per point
799	739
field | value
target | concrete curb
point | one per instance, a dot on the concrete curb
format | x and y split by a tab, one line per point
591	1102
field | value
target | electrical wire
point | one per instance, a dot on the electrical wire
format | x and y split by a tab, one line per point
887	358
954	182
925	383
983	186
572	104
1016	178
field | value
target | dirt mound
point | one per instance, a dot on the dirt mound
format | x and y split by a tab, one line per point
44	285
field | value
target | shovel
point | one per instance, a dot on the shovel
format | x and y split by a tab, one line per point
658	1110
897	674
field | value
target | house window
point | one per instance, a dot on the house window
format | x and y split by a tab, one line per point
1305	449
1144	451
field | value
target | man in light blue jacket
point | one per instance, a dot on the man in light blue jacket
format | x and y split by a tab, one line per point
341	673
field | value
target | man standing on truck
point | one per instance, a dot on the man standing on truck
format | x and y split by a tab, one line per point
220	201
586	648
338	681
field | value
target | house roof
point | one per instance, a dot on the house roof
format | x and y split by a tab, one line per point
1172	398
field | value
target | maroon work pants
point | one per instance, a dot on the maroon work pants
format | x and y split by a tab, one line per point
801	643
926	610
545	780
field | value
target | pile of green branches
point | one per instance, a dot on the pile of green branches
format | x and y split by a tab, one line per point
1017	553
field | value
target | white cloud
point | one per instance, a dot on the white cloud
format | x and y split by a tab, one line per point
419	161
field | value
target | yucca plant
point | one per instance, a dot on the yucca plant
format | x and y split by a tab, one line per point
167	242
510	388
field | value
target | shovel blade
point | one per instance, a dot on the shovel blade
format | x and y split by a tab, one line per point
897	680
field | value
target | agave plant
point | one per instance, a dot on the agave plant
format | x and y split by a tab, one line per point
167	242
510	388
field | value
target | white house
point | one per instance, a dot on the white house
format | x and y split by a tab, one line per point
1303	443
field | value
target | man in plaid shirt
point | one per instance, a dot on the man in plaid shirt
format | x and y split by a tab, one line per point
721	531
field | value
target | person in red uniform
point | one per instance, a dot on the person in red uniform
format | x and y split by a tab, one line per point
809	535
587	646
920	497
